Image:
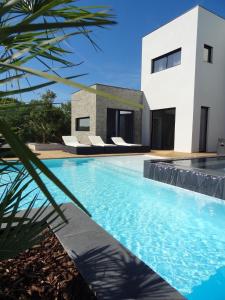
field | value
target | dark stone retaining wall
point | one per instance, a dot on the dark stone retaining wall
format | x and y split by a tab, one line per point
191	179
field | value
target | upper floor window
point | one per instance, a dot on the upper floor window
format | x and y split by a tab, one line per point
83	124
208	54
166	61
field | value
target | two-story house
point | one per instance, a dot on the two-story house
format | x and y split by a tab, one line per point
182	87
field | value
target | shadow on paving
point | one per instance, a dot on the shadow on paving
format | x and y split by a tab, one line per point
113	276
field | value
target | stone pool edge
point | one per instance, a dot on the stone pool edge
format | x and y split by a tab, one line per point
198	180
111	270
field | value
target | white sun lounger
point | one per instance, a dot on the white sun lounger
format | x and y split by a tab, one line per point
97	141
120	142
72	141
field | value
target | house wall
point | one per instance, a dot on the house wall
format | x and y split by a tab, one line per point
83	104
103	104
173	87
210	79
187	87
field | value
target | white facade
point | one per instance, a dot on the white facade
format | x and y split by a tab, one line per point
192	84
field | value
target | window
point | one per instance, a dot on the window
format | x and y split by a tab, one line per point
166	61
83	124
208	54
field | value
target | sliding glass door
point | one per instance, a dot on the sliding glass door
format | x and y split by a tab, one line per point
163	127
120	123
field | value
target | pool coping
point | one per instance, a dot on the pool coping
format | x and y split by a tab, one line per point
111	270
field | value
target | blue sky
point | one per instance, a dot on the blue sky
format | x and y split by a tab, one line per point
119	62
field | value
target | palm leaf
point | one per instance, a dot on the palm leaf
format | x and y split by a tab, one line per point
29	160
71	83
32	88
19	231
30	30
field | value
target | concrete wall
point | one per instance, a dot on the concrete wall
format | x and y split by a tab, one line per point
173	87
103	104
86	104
83	105
187	87
210	79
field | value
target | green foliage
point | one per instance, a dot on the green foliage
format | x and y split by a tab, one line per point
39	120
16	192
20	186
8	101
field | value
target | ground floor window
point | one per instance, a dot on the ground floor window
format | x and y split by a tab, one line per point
83	124
163	128
120	123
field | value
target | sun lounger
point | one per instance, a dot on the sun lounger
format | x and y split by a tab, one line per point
97	141
72	145
99	147
120	142
72	141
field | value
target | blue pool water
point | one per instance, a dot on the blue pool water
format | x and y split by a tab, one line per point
178	233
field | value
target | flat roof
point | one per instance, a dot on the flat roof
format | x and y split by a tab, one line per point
196	6
111	86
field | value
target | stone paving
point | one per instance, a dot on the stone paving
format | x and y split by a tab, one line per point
161	153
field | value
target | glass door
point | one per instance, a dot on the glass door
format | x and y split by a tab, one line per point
163	128
126	121
120	123
203	129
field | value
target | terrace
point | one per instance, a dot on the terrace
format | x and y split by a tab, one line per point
155	153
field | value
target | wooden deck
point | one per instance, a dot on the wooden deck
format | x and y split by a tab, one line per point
174	154
157	153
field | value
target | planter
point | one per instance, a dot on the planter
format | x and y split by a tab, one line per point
45	147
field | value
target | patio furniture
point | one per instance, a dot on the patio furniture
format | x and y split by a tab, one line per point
45	147
135	148
221	147
99	147
120	142
72	145
97	141
72	141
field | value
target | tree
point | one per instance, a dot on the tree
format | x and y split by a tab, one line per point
44	117
39	120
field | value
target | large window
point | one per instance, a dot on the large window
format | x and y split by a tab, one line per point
83	124
166	61
208	54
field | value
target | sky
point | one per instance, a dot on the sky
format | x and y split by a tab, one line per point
118	63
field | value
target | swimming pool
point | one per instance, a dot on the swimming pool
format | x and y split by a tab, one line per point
178	233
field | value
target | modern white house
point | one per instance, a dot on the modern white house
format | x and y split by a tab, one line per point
182	84
183	81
